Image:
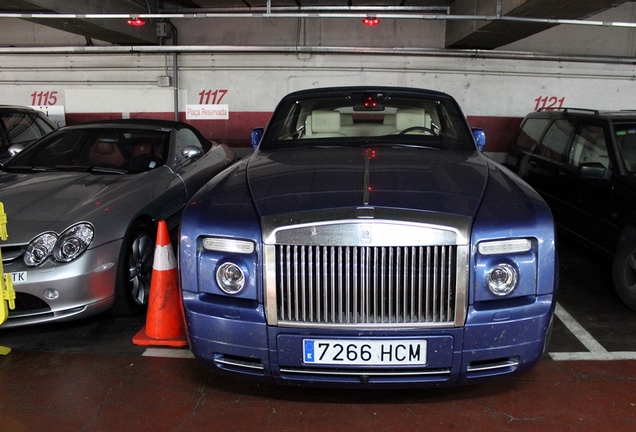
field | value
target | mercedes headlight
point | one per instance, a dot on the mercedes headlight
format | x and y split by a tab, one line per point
40	249
73	242
63	248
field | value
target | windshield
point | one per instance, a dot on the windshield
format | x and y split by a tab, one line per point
626	140
105	150
361	118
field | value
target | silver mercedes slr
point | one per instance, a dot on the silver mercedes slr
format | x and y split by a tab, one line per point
82	205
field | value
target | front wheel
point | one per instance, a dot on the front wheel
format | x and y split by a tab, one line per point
624	272
134	270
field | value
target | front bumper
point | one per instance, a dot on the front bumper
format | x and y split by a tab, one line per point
85	287
233	338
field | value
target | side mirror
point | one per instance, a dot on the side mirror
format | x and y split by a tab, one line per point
15	149
594	170
480	138
257	134
191	152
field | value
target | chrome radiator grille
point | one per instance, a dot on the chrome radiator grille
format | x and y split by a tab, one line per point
366	285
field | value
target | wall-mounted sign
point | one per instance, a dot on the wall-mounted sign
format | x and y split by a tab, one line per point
207	112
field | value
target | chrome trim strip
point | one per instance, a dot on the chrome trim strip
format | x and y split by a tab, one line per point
493	366
461	285
388	373
370	232
238	363
365	191
269	284
340	227
365	326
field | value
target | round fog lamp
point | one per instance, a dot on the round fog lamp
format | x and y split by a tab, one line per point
51	293
502	279
230	278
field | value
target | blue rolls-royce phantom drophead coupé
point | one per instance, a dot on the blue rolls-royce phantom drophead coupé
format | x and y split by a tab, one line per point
368	242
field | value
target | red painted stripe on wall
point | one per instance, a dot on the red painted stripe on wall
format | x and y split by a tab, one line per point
500	131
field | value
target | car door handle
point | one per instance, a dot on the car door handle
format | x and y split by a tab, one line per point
563	172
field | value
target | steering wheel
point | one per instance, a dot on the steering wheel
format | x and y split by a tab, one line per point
417	128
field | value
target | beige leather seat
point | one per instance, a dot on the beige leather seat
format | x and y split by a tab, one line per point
406	118
323	124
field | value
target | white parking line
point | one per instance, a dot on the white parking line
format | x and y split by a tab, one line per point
168	352
596	350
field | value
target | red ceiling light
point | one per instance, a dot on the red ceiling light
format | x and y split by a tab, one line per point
136	22
370	21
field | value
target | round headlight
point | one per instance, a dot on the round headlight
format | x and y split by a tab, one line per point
73	242
39	249
502	279
230	278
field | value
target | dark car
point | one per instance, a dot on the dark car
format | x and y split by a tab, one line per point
368	242
82	205
583	163
21	126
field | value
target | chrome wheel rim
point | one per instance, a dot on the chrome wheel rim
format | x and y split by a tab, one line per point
140	267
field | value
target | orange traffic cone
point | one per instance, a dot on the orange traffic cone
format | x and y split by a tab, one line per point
164	322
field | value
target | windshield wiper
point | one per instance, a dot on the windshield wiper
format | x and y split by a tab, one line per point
396	145
91	169
26	168
68	168
105	170
80	168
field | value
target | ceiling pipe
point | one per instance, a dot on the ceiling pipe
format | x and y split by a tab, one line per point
320	15
175	73
218	49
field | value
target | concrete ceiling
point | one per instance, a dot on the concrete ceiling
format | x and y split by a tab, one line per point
493	34
464	33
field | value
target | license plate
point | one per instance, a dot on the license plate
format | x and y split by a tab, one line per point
18	277
364	352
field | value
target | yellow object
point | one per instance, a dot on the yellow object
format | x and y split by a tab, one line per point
3	223
7	294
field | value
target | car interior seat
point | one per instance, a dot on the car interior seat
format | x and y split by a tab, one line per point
142	147
144	156
323	124
106	153
406	118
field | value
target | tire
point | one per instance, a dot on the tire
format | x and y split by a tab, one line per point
624	272
134	270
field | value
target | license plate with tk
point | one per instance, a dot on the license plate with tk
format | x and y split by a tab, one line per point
19	277
364	352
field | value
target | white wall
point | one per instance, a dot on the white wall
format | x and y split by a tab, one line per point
493	92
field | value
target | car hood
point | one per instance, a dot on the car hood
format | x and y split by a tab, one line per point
307	179
40	202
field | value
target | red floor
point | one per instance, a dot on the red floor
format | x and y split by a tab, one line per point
80	392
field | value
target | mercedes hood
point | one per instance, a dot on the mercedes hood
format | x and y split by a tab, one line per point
40	202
